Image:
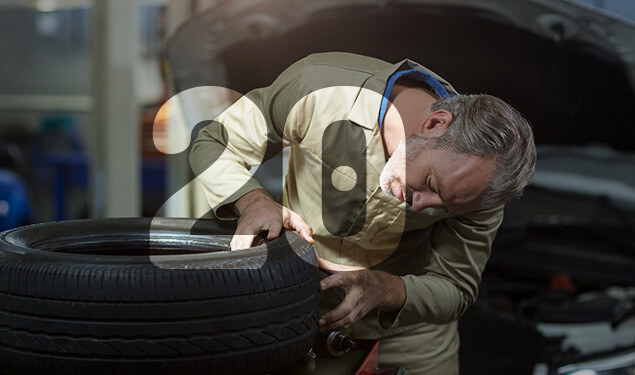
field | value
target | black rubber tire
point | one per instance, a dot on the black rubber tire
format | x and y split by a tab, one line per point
71	302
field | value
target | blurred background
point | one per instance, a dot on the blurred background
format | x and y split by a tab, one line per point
82	82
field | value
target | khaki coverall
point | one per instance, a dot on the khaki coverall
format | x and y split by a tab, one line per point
439	256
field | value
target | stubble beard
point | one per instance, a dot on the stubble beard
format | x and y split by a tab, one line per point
395	169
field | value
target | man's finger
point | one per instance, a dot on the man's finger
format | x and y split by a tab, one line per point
338	313
343	322
335	280
341	312
307	236
274	231
330	267
241	241
297	223
246	233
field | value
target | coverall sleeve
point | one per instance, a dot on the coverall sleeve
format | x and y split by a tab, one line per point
460	247
249	132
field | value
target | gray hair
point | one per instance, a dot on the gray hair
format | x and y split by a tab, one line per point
486	126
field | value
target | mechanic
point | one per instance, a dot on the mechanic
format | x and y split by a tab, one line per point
406	233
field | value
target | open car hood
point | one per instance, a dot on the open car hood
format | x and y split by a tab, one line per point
568	67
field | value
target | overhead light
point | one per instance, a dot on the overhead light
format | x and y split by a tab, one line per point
585	372
53	5
46	5
617	364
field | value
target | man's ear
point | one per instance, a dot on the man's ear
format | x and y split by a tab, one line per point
435	124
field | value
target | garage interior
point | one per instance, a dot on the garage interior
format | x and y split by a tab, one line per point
81	136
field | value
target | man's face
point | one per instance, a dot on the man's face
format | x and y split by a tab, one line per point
435	177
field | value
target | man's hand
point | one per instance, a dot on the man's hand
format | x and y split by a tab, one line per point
365	290
258	212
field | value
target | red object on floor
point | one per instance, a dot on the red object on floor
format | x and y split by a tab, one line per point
562	281
369	365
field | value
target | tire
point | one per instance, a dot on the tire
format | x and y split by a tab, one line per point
109	296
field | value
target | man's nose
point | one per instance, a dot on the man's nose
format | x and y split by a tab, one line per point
421	201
